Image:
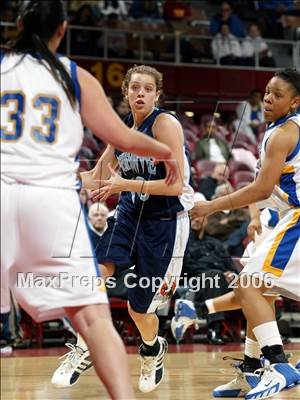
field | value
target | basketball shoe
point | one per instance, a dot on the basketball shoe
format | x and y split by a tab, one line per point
185	316
275	378
74	364
152	368
242	383
6	349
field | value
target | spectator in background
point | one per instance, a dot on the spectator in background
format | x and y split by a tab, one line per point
229	226
122	108
8	32
146	10
116	7
225	47
83	40
290	21
98	213
117	43
226	14
272	10
75	5
250	115
208	184
211	146
254	44
177	13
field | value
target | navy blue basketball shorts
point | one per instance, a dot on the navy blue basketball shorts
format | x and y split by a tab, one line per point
155	247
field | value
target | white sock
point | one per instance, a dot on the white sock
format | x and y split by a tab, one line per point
210	306
267	334
81	343
252	348
150	342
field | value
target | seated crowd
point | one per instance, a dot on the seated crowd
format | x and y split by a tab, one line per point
238	35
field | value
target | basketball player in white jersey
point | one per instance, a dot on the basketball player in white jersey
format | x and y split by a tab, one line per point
276	262
188	313
46	249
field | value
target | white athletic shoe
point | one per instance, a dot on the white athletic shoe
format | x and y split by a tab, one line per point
240	385
75	362
6	350
152	368
185	316
274	379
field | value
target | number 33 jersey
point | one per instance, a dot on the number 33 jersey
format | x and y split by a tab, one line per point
41	134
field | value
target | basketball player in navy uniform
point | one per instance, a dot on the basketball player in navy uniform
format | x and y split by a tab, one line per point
151	227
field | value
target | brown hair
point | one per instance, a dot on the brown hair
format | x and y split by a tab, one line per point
143	69
38	24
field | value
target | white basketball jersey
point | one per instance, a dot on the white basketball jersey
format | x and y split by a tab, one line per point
41	134
286	193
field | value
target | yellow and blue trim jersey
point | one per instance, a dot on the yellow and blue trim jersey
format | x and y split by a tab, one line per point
286	193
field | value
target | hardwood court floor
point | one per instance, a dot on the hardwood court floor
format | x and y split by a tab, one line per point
190	374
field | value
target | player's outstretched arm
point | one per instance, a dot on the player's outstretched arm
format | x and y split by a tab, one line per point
280	145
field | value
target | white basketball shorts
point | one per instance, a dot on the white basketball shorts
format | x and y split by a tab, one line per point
276	260
47	259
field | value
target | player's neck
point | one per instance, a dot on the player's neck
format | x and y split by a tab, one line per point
52	45
138	119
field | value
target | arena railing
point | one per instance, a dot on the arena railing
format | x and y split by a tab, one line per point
176	48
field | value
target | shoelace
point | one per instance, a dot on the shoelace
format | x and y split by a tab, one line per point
238	366
265	372
71	358
147	366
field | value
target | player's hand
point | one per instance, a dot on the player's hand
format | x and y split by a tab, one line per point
201	209
254	227
87	181
115	184
229	275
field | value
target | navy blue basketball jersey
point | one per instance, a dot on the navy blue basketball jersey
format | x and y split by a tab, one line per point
143	168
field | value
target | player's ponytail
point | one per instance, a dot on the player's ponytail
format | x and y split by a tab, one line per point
38	22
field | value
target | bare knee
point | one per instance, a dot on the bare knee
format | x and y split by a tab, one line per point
84	316
107	269
136	316
248	284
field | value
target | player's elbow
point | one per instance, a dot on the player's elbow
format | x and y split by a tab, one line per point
264	193
122	143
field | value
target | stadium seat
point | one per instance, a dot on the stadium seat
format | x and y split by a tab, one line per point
240	185
235	166
243	176
204	167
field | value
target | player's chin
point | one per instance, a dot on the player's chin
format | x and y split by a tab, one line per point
269	117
